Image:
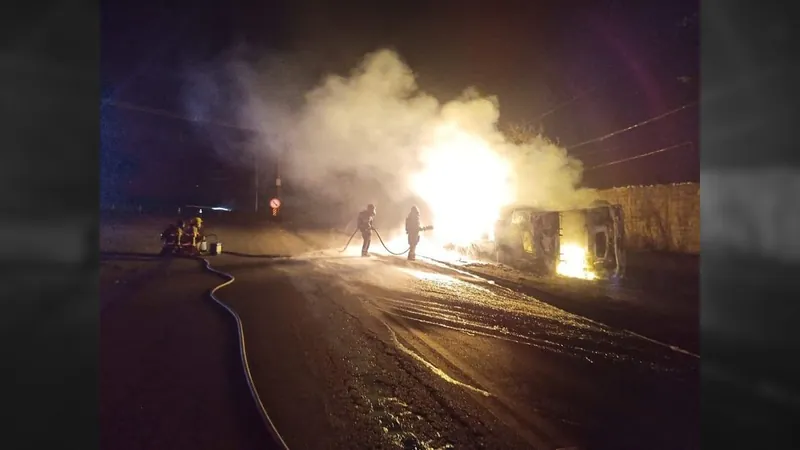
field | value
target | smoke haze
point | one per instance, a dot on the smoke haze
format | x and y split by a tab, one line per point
362	137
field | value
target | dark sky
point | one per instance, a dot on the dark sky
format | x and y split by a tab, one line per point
579	69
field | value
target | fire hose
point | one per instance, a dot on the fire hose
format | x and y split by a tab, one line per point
242	349
379	238
273	431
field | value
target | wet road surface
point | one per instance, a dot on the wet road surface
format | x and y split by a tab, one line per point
368	353
170	373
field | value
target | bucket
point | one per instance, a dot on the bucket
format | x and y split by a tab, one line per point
203	246
216	248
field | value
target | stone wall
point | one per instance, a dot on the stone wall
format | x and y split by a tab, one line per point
661	217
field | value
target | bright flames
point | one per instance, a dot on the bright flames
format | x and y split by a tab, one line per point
574	262
429	247
465	184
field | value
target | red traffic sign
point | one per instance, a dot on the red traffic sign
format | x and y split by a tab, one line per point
275	203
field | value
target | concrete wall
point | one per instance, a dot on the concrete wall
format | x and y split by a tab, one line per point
661	217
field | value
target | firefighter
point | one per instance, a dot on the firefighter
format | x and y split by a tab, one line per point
365	226
413	228
173	234
193	230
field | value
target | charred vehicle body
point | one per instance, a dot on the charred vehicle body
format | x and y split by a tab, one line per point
543	240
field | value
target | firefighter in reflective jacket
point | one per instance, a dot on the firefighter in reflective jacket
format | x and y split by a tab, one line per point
413	228
193	230
365	226
172	236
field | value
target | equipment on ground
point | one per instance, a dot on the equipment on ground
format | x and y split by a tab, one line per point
216	248
188	239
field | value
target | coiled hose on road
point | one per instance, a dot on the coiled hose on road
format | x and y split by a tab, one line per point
243	351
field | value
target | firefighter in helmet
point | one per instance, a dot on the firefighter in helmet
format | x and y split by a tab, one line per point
193	230
413	228
364	225
172	235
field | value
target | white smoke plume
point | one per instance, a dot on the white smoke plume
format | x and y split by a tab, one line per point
366	136
545	176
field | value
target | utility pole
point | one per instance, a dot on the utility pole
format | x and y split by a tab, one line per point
255	171
278	179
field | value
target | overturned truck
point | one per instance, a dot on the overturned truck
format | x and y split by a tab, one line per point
590	240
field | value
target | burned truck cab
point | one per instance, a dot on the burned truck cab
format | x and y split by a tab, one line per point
605	240
543	240
527	236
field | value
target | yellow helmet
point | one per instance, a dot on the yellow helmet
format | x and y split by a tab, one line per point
197	222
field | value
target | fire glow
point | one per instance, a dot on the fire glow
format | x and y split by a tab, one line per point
574	263
465	183
429	247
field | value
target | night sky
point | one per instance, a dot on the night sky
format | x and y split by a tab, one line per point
578	69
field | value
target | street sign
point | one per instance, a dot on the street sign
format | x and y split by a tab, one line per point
275	203
278	181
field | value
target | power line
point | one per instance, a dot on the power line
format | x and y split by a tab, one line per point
602	150
661	150
650	120
599	86
577	96
172	115
176	116
650	57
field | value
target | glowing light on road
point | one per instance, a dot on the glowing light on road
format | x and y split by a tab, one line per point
432	276
465	183
429	246
574	263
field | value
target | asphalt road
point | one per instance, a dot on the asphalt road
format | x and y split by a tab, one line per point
356	353
170	373
348	352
